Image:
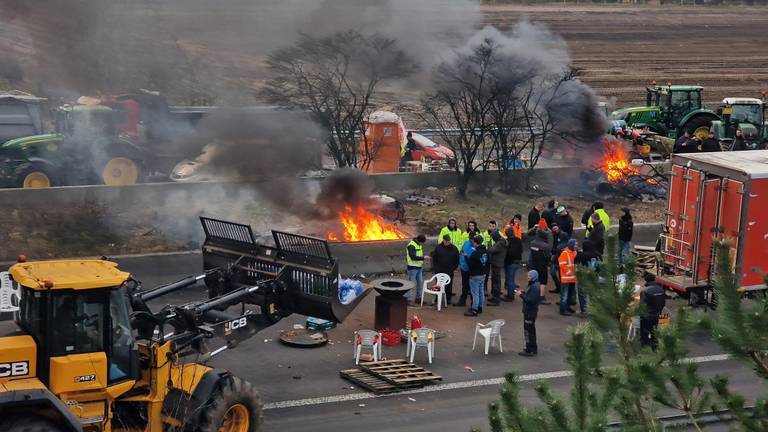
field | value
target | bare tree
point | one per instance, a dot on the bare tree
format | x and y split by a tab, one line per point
557	110
459	107
335	78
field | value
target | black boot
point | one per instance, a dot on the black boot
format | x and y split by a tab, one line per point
470	313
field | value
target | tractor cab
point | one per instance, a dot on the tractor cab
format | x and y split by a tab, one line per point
674	102
87	122
746	115
77	312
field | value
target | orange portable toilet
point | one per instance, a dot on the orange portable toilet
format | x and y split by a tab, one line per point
383	142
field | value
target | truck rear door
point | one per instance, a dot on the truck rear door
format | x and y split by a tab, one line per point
730	214
682	217
707	230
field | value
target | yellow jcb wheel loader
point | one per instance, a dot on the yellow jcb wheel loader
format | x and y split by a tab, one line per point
85	351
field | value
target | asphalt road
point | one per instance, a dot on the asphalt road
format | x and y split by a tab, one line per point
302	390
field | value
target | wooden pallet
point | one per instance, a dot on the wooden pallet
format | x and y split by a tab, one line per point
399	372
373	383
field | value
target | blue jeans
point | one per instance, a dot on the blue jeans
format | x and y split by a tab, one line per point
417	276
625	248
478	293
509	276
582	298
566	294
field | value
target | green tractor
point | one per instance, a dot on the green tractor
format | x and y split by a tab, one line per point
85	149
669	110
746	115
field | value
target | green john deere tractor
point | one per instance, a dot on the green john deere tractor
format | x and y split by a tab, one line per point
86	149
746	115
669	110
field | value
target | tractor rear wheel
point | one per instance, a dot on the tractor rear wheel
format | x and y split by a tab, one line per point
121	171
698	127
234	407
28	423
35	176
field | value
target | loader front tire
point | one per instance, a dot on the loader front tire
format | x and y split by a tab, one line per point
28	423
234	407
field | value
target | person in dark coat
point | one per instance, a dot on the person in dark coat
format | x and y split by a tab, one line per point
710	144
686	144
738	141
626	227
564	221
597	234
587	214
653	299
410	147
587	257
559	241
539	260
530	297
550	212
497	254
445	259
512	262
534	215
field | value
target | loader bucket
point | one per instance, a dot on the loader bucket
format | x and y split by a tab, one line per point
303	264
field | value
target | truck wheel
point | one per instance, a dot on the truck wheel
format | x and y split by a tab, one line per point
28	423
699	127
35	176
235	407
121	171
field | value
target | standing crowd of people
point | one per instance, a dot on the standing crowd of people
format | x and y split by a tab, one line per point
489	260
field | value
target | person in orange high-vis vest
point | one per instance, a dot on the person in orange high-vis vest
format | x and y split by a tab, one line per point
567	277
516	227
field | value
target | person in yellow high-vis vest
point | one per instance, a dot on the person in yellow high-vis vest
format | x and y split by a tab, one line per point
414	257
454	232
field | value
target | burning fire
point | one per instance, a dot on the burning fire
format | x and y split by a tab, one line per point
615	163
360	225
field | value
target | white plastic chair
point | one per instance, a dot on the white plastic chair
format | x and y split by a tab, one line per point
440	280
367	339
422	337
489	332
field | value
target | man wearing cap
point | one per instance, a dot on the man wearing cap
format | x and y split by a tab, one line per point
652	297
567	262
564	220
530	297
414	257
445	259
467	247
453	231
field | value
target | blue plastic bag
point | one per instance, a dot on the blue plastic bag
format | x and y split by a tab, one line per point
349	289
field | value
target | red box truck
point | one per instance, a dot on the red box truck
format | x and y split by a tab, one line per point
716	195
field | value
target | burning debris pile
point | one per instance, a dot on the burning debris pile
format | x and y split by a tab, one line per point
615	174
360	224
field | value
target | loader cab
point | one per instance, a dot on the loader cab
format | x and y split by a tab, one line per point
78	313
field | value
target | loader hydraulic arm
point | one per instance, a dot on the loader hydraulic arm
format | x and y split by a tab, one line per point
191	324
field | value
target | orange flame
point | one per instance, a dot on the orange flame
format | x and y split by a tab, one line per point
615	163
361	225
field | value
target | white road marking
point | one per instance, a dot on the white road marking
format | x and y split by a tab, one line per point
450	386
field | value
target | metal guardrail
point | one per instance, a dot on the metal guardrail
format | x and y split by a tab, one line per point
679	422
